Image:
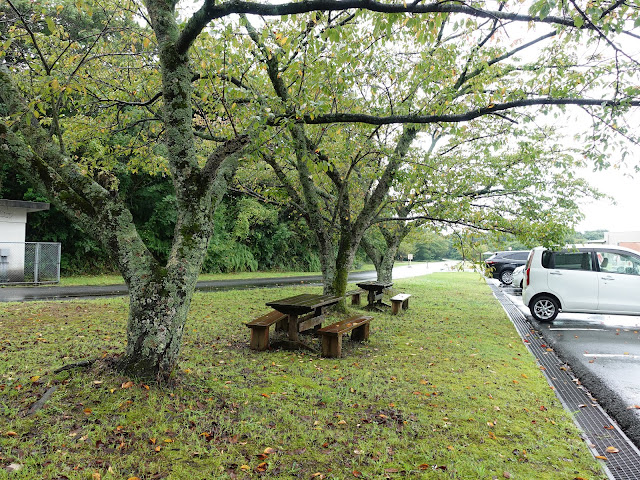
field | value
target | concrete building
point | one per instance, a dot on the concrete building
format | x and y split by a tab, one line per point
623	239
13	230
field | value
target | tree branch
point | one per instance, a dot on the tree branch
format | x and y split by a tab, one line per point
461	117
211	11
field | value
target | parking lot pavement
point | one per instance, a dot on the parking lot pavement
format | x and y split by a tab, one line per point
601	430
603	351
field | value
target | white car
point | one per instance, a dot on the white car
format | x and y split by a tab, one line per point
585	279
517	277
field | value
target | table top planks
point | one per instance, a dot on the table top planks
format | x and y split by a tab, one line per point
303	303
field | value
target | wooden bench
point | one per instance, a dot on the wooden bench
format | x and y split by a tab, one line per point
260	329
355	296
398	302
358	325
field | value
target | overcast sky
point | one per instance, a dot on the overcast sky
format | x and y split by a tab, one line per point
625	216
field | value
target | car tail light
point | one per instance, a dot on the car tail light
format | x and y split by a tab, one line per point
528	275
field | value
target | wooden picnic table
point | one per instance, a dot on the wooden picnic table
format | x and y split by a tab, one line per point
374	293
303	311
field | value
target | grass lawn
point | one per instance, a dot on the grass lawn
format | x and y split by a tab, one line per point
444	390
115	279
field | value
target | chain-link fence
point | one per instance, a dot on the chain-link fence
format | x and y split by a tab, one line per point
30	262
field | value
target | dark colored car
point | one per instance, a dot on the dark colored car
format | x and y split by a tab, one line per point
501	265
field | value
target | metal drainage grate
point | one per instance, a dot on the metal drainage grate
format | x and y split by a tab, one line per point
599	429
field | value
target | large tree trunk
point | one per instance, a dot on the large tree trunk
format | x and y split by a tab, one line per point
385	272
383	258
157	316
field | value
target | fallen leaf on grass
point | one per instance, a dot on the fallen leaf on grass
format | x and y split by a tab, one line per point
11	433
424	466
95	476
269	450
128	384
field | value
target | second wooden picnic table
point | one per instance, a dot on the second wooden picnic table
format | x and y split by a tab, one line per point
374	293
303	311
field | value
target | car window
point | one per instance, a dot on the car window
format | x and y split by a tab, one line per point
517	256
613	262
570	260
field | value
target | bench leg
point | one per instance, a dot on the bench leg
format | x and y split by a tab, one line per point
360	333
332	346
259	338
355	299
405	304
395	306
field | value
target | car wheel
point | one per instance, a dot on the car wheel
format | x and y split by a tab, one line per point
544	308
506	277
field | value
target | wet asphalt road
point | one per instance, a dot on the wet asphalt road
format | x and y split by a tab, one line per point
603	351
54	292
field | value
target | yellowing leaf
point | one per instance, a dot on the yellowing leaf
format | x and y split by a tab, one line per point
127	385
146	42
601	457
269	450
35	378
612	450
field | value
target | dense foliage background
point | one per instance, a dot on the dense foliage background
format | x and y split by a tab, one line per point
249	236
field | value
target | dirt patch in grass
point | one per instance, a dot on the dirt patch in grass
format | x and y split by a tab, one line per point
443	390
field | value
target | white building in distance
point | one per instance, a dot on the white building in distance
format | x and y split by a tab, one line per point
623	239
13	231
